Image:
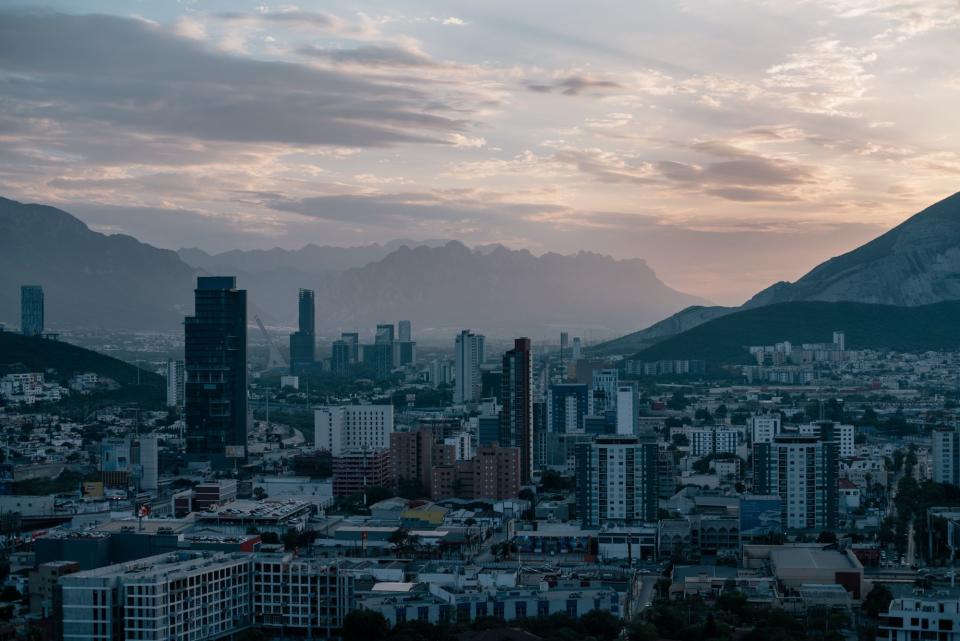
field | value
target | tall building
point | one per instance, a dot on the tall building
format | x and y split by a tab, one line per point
440	373
946	456
303	341
566	408
831	431
175	380
404	331
577	349
383	351
840	341
705	441
516	418
628	409
352	339
617	480
804	472
215	392
340	358
414	455
763	428
31	310
603	391
338	429
468	357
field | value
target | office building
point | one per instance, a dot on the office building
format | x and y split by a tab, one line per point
763	428
303	341
352	339
356	471
384	347
516	417
804	472
31	310
340	358
468	357
175	381
349	427
488	429
840	341
628	409
566	408
404	331
215	392
577	349
946	455
617	481
705	441
603	391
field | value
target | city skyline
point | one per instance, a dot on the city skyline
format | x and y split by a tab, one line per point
683	134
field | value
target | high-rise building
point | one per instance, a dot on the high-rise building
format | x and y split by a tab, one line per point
175	380
763	428
840	341
566	408
355	471
577	349
440	372
384	335
628	409
404	331
340	358
604	391
303	341
350	427
352	339
31	310
617	480
469	356
384	347
946	456
832	431
215	392
804	472
516	418
705	441
415	454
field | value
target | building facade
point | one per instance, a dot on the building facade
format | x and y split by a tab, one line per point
617	481
215	391
349	427
804	472
516	417
469	355
31	310
303	341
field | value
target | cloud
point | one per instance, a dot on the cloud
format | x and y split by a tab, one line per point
371	55
575	85
133	75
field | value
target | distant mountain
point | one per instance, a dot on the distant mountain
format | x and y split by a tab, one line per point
31	354
725	339
498	290
915	263
115	282
89	279
310	259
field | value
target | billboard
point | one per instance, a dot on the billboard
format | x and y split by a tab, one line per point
759	516
235	451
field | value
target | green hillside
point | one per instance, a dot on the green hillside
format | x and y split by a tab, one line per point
32	354
725	339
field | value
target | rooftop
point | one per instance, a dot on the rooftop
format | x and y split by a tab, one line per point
791	558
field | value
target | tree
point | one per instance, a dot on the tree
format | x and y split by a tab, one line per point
376	494
364	625
601	624
640	630
678	401
259	493
827	537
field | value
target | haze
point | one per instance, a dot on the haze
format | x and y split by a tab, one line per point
730	144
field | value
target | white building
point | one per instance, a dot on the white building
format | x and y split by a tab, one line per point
440	373
912	618
353	427
290	380
804	472
175	379
764	428
463	442
303	488
705	441
468	357
842	434
628	410
946	456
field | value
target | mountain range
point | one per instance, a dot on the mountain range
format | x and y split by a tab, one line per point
93	280
915	263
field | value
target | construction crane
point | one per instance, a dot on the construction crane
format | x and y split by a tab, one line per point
275	358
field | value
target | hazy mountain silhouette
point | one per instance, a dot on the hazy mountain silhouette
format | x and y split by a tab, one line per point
915	263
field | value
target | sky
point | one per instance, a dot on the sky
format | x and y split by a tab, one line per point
730	143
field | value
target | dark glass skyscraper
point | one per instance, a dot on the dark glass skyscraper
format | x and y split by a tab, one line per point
215	360
31	310
340	358
303	341
516	418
